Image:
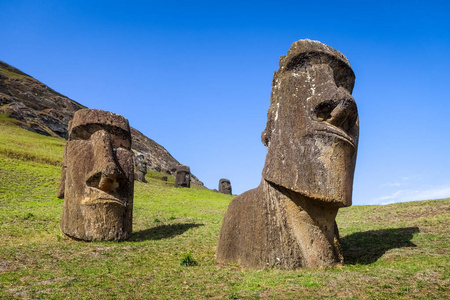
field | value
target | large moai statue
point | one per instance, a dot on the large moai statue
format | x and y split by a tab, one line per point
183	176
141	168
225	186
311	135
97	177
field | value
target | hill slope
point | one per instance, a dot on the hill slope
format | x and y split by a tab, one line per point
393	251
40	109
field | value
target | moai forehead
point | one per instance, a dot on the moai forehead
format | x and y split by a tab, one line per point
305	53
223	180
92	117
87	121
312	124
182	168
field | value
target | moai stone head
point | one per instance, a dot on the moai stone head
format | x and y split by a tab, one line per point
141	168
97	177
183	176
141	165
312	124
224	186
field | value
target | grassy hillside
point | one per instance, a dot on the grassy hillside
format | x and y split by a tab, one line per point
393	251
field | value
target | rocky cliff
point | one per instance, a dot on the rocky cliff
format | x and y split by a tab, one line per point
40	109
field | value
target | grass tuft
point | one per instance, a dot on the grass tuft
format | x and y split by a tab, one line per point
188	260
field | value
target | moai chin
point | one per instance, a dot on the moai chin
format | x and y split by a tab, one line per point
225	186
97	177
311	136
183	176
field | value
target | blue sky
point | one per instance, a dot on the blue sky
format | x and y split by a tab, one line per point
195	76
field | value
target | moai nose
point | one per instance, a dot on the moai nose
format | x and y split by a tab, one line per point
340	112
106	173
344	115
110	178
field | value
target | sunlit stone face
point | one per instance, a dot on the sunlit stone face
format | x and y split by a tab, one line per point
183	177
312	128
99	175
225	186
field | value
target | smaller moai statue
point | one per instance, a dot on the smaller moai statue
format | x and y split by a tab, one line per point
97	177
141	168
183	176
225	186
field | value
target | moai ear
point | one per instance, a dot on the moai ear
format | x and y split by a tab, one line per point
271	113
62	181
266	134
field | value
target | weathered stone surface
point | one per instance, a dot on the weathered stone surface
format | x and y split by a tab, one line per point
97	177
141	168
225	186
183	176
311	137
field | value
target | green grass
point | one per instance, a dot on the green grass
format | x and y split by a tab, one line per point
28	146
394	251
13	75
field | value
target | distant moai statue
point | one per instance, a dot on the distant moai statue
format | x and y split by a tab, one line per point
97	177
225	186
183	176
141	168
311	135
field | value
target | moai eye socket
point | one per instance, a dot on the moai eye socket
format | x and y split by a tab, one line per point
322	112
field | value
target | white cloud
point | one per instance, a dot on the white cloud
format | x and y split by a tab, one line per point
409	178
392	184
403	181
413	195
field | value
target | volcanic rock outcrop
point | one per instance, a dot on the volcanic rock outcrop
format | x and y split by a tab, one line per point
40	109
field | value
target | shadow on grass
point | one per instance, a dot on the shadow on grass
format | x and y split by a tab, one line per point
367	247
161	232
